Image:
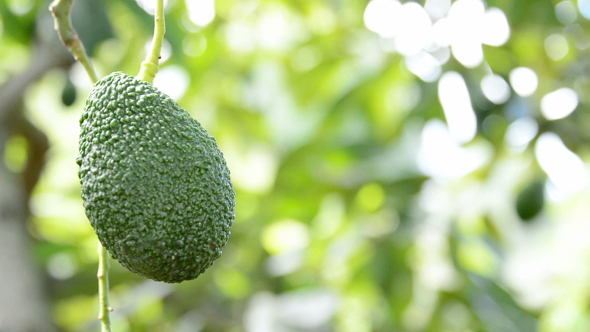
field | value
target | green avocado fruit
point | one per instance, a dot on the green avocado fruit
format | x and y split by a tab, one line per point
69	93
155	186
530	201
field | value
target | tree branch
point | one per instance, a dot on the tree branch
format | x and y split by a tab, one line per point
69	37
63	25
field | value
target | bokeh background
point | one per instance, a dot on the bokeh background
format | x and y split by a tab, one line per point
399	165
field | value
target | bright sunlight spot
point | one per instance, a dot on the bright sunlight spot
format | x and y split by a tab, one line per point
425	66
416	29
442	32
173	81
556	47
559	103
524	81
437	9
285	236
253	169
465	16
465	26
469	26
409	24
382	17
456	103
149	5
201	12
21	7
565	169
495	28
441	156
521	132
240	36
584	8
61	266
277	29
565	12
495	88
165	53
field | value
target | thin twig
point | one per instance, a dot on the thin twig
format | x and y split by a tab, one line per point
61	10
69	37
149	67
103	289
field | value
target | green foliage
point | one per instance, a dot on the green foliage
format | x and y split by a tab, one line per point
345	219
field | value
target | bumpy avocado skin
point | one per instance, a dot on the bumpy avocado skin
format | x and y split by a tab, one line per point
155	186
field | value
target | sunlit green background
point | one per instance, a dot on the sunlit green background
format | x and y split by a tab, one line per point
399	166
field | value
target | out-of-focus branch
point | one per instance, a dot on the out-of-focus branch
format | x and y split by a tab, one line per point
69	37
38	144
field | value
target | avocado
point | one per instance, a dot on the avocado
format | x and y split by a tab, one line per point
69	93
530	200
155	186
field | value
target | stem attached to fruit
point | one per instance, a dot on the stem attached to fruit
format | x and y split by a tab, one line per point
69	37
103	289
149	67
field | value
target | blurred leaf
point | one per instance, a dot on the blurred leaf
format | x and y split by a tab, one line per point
496	308
22	26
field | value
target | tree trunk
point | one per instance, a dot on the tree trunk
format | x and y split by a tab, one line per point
24	306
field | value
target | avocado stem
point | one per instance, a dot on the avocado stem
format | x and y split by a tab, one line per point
149	67
103	289
60	9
